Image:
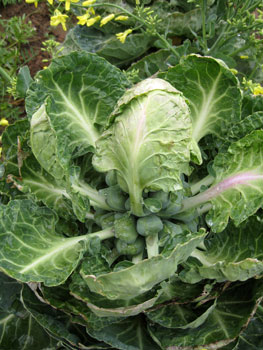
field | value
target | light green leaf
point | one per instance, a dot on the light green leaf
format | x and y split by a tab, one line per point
237	191
212	91
149	143
81	90
141	277
31	250
234	254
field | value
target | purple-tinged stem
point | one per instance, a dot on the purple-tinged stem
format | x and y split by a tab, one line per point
216	190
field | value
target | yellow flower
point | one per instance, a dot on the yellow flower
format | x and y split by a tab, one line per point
121	18
32	2
244	57
234	71
67	3
4	122
0	151
106	19
84	18
88	2
50	2
93	20
122	36
258	90
58	18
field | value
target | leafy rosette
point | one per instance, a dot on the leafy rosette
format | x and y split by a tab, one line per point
131	216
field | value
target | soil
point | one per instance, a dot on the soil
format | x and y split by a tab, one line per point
40	18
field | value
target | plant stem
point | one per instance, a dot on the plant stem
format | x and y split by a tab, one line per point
95	198
198	254
152	245
204	6
207	181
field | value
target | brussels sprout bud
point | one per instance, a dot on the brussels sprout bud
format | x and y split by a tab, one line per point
111	178
161	196
114	197
149	225
153	205
125	229
125	248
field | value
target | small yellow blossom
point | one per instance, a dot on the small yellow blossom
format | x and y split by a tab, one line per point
84	18
106	19
88	2
244	57
32	2
122	36
67	3
45	67
93	20
234	71
4	122
58	18
121	18
50	2
0	151
258	90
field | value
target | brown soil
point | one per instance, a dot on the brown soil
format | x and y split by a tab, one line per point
40	18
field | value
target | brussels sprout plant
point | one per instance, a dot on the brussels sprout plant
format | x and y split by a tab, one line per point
130	215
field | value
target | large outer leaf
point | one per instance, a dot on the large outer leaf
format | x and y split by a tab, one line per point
18	330
212	91
149	143
237	191
107	45
82	90
225	322
130	334
30	249
141	277
234	254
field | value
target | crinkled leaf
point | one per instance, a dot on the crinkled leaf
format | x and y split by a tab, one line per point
212	91
237	190
103	306
234	254
176	315
221	327
149	143
107	45
81	90
30	249
141	277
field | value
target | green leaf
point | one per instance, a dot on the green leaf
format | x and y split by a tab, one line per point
143	276
81	90
178	315
30	249
43	187
107	45
212	91
222	326
102	306
149	143
23	81
43	143
234	254
237	190
130	334
18	330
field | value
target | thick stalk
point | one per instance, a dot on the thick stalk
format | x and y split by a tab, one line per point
95	198
207	181
216	190
152	245
198	254
136	200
